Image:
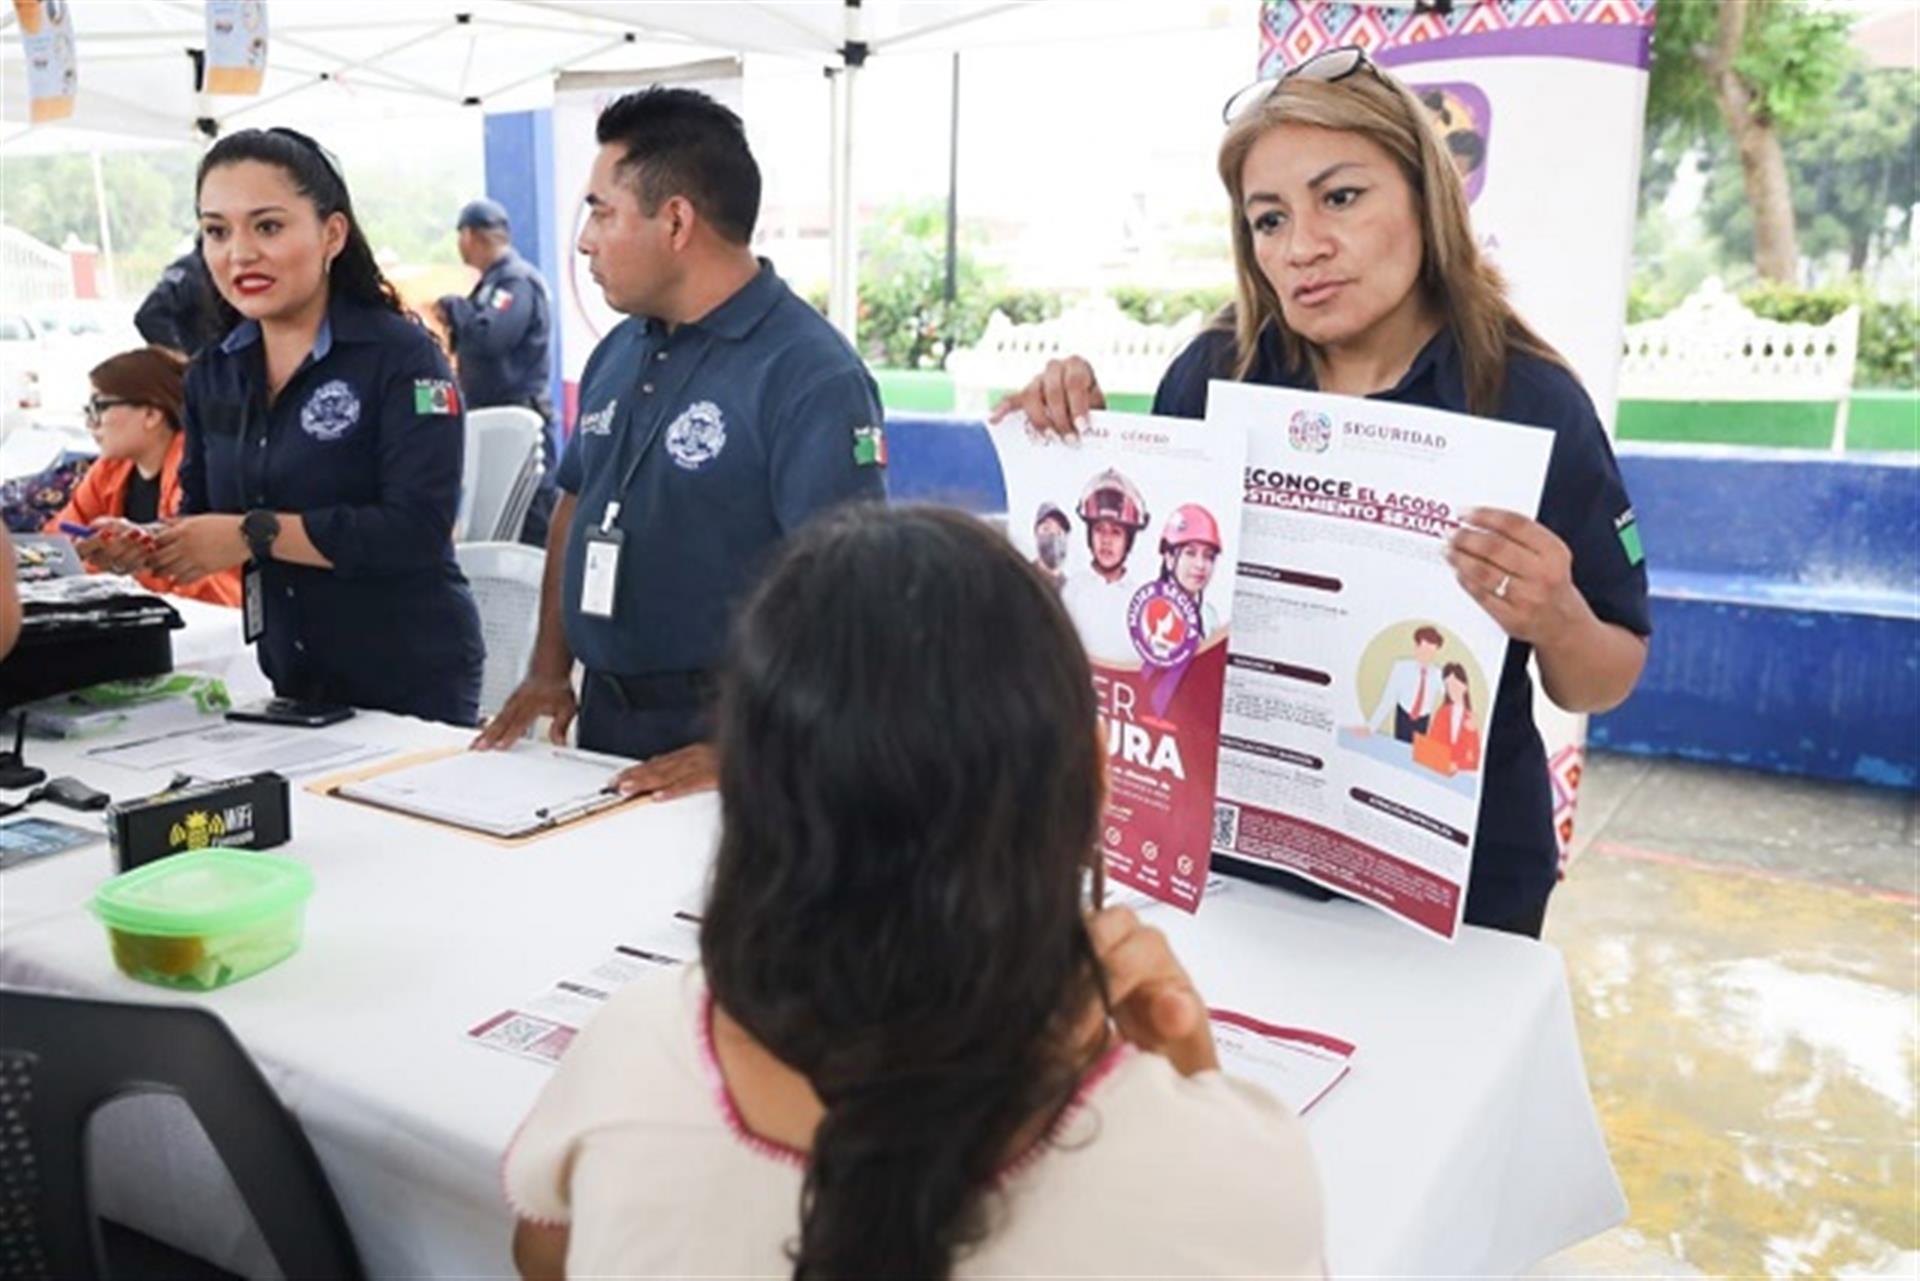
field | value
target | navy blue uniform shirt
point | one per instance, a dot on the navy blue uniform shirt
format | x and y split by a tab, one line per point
365	443
1515	857
179	311
502	332
743	424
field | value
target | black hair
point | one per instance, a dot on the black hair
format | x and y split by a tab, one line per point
910	789
316	175
680	142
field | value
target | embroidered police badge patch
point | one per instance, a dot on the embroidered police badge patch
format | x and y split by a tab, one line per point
331	411
697	436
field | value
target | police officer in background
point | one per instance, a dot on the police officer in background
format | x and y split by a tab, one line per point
180	311
501	333
714	421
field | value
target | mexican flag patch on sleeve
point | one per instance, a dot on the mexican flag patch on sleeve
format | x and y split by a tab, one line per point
502	300
435	396
1629	534
869	447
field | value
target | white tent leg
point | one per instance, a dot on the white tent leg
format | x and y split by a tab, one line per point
112	282
843	302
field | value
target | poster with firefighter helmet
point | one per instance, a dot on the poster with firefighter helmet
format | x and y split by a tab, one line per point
1136	523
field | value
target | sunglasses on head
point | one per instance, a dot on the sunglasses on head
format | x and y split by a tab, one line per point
1327	66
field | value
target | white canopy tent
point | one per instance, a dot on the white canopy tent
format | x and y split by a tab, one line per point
340	60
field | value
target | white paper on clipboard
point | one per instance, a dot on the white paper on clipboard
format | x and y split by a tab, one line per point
526	789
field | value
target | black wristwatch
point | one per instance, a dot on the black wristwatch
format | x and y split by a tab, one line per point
260	527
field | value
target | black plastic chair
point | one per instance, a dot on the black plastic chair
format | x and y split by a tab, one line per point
62	1058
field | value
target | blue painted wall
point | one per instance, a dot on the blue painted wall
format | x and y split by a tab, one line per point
1786	598
1786	611
519	154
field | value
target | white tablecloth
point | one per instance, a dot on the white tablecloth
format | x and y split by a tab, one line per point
211	642
1464	1141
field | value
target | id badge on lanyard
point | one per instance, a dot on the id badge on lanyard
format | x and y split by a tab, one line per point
600	580
253	604
253	590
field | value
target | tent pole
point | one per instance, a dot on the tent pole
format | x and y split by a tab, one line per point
953	184
843	300
844	306
106	226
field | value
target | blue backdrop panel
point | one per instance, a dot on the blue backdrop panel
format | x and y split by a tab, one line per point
519	152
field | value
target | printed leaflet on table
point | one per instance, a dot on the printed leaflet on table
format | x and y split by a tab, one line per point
543	1028
1363	675
1136	524
1294	1065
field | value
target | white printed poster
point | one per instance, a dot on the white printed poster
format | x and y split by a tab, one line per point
1362	678
236	46
578	99
1136	523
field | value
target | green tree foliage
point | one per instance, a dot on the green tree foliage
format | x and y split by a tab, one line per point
149	206
1754	73
406	201
906	321
1164	306
1853	170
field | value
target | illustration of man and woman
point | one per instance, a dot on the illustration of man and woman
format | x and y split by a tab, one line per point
1431	708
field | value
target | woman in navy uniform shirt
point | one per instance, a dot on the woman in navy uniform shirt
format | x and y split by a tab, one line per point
1358	274
324	441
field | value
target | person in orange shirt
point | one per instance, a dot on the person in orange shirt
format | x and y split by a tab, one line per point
134	415
1454	725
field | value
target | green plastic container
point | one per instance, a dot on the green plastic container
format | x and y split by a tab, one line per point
206	919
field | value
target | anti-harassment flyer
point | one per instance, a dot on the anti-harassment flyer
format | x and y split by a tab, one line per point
1136	524
1362	678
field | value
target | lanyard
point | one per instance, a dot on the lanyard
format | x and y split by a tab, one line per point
611	515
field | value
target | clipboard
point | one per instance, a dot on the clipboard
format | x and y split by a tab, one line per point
531	791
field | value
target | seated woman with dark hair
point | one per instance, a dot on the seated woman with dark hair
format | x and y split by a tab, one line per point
134	415
908	1049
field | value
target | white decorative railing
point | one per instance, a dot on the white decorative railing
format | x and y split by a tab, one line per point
1129	357
34	272
1711	348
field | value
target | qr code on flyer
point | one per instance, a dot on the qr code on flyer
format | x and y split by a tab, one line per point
525	1034
1226	826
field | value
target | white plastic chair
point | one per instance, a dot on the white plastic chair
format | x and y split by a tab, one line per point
501	472
506	586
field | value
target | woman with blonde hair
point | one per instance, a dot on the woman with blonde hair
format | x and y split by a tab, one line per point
1358	274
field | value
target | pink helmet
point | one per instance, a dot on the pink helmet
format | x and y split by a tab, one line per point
1191	523
1111	496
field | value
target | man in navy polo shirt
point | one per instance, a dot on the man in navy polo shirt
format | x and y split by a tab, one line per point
501	332
717	419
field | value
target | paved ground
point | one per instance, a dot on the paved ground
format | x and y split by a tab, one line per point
1744	952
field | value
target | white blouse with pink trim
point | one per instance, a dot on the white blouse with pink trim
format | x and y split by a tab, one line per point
637	1146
